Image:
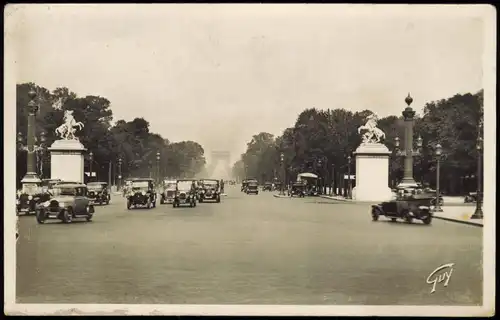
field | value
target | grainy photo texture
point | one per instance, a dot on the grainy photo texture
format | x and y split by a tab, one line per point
249	159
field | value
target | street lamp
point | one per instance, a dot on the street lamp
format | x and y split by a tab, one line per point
408	153
349	196
439	151
158	167
282	159
31	179
39	150
478	213
91	156
119	173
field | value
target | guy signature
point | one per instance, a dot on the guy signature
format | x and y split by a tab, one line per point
434	278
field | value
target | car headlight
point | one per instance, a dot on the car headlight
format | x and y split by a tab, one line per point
143	193
30	198
18	202
62	204
46	203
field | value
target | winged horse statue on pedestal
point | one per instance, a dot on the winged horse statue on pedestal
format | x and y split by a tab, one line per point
372	134
67	130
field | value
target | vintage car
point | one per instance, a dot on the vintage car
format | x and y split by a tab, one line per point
244	184
98	192
168	192
48	184
416	205
27	200
185	193
252	187
471	197
297	189
210	190
69	201
268	186
141	193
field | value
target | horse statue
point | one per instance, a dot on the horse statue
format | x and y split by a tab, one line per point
67	130
372	134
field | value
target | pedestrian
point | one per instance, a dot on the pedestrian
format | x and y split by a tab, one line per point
221	186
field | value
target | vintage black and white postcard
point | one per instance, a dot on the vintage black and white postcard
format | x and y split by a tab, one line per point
249	159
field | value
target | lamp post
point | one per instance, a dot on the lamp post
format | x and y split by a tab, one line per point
158	167
31	179
91	156
478	213
119	173
349	195
408	153
439	151
39	151
282	159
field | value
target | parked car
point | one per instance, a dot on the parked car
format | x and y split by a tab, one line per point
252	188
168	193
98	192
415	205
268	186
27	200
210	190
297	189
141	193
185	193
68	202
471	197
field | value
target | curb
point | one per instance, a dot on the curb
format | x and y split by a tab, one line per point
279	196
476	224
335	199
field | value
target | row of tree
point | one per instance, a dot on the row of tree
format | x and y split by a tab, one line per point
321	141
131	141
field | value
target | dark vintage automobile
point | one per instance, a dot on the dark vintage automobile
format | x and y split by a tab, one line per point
185	193
244	184
168	192
69	201
268	186
141	193
252	187
416	205
297	189
27	200
471	197
98	192
210	190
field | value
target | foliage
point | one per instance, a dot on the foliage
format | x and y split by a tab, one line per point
321	141
131	141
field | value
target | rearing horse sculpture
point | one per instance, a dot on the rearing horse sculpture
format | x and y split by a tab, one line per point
372	133
67	130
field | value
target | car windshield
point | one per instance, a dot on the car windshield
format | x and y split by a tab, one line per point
62	191
140	184
95	186
210	183
184	185
169	185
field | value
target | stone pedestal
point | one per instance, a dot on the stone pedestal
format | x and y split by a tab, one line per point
372	173
67	161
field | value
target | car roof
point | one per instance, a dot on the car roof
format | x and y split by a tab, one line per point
73	185
97	182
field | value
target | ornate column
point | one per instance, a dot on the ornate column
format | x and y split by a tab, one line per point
31	179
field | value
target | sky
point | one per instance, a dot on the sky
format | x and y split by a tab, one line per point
217	74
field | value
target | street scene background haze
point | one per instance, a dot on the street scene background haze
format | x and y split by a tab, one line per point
217	74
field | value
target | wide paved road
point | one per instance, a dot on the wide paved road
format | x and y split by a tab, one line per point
246	250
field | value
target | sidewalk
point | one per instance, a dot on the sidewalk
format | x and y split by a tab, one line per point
459	215
280	196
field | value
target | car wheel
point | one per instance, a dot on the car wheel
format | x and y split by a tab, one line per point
68	216
194	203
40	217
393	219
408	217
148	204
428	219
162	201
174	205
218	199
90	213
201	200
129	204
375	214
